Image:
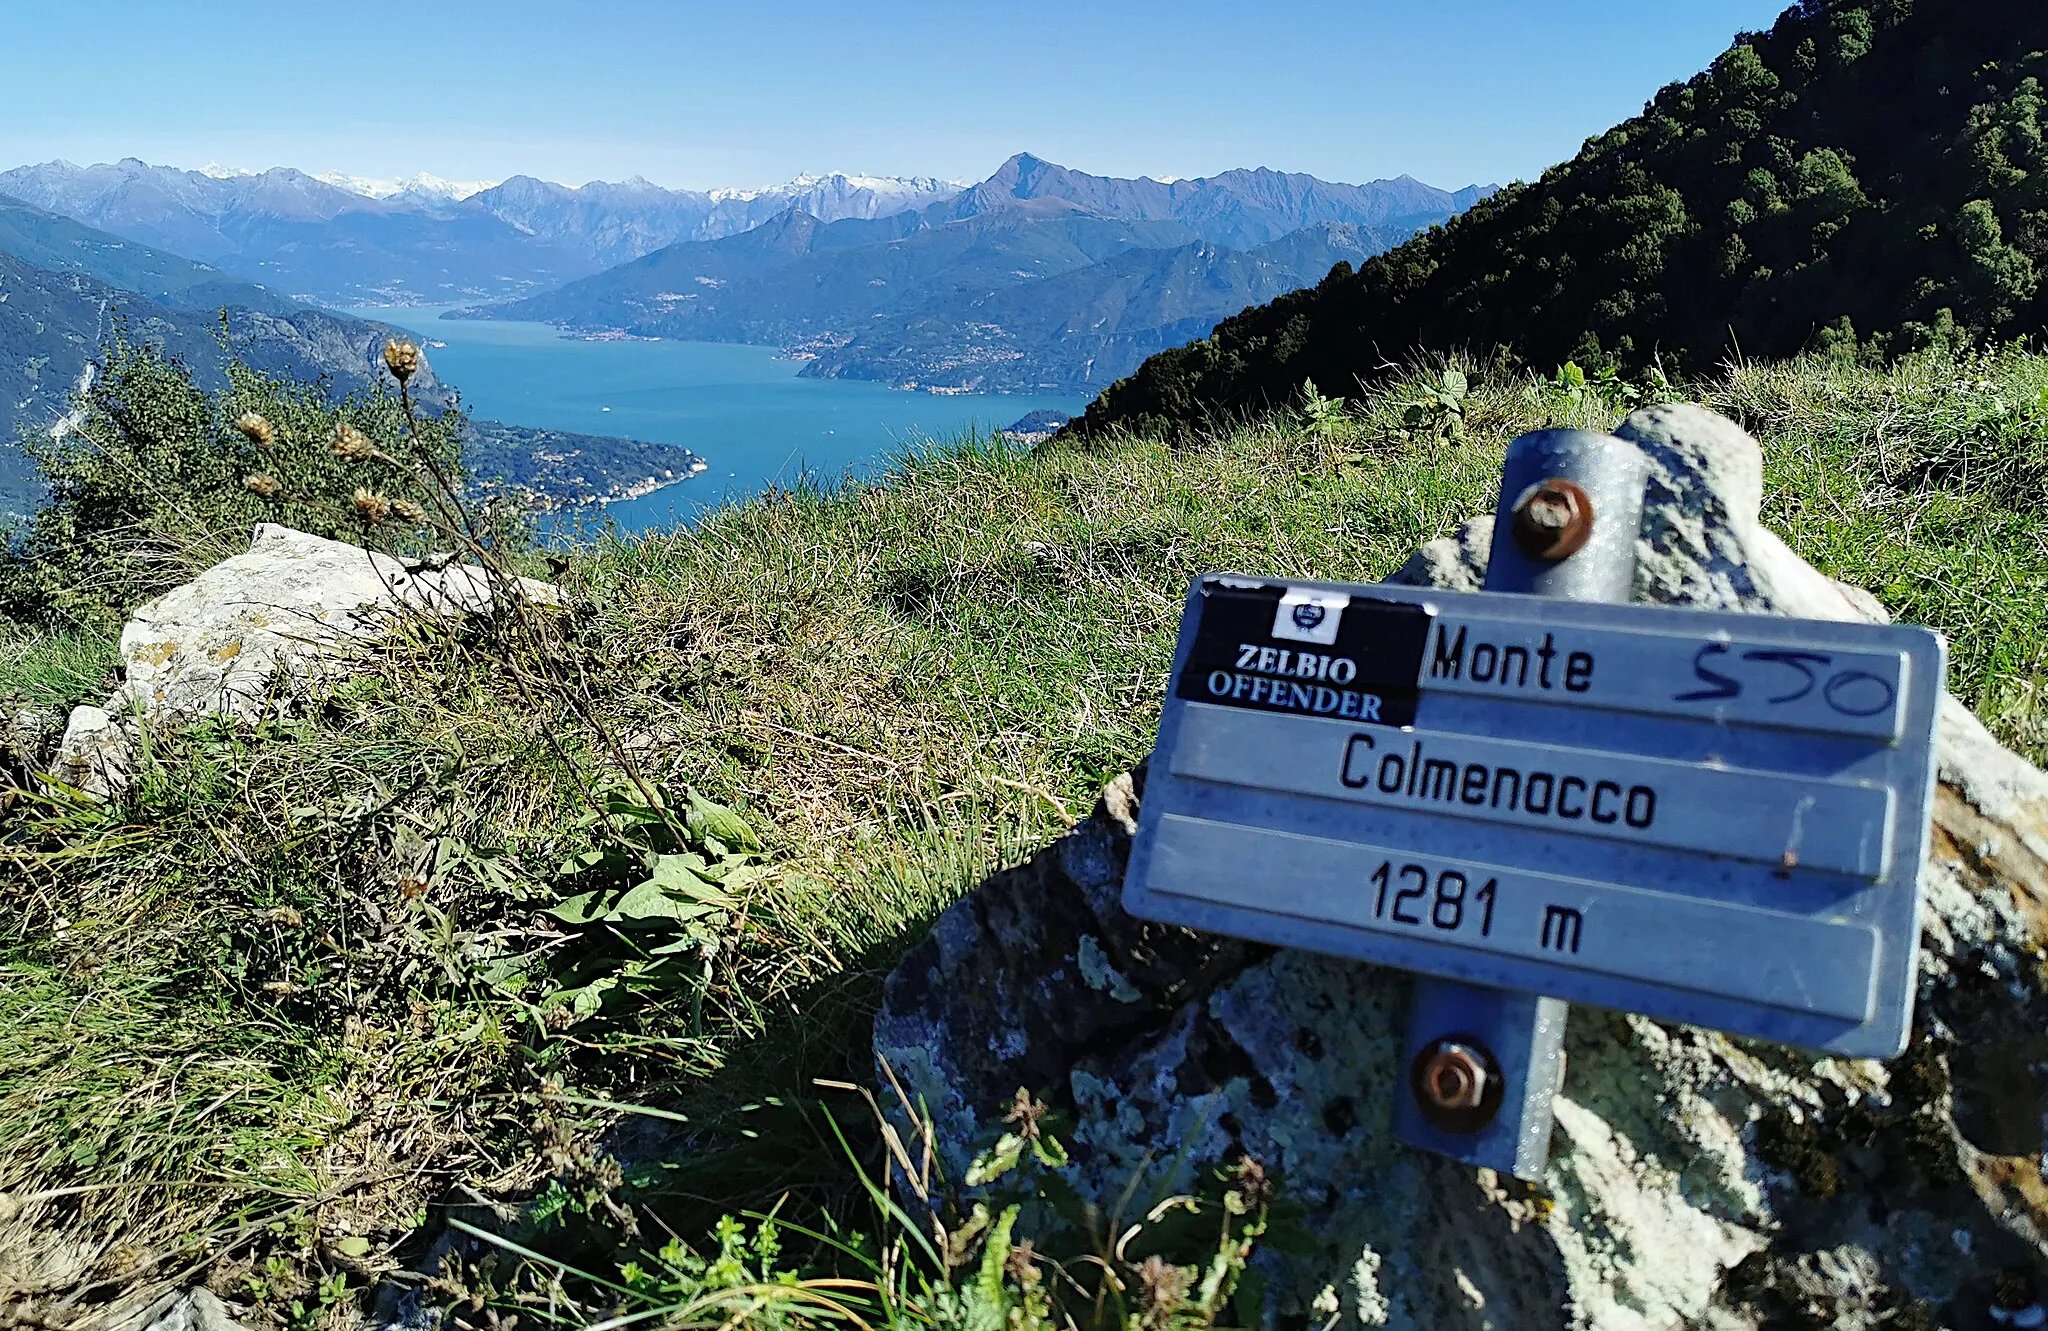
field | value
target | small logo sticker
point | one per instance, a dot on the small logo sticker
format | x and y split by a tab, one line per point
1306	615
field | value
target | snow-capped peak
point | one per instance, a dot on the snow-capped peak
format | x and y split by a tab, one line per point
215	171
421	183
891	187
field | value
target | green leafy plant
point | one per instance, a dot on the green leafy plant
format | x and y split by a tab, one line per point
1323	416
155	478
1438	409
1576	392
656	897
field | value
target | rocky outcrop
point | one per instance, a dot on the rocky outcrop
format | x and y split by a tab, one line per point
256	633
1695	1180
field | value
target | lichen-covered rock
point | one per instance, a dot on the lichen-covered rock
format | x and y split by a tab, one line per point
1695	1180
96	756
255	633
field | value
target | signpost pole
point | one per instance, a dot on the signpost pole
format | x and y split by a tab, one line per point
1483	1064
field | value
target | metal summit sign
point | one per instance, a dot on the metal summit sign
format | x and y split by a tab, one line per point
1709	818
1532	795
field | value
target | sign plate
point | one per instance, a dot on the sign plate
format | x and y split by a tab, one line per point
1703	817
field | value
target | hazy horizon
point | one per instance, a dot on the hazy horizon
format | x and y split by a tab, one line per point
225	170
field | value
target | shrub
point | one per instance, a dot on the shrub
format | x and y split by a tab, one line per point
152	479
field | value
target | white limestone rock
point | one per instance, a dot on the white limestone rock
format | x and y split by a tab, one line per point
256	634
97	754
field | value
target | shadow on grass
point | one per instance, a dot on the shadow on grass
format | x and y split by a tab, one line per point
757	1134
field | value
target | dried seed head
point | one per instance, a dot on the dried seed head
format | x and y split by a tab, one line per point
1022	1264
407	511
402	359
350	443
1165	1285
373	507
257	429
1025	1113
257	483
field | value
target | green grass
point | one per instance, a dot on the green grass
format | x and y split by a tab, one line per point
1927	486
53	669
303	990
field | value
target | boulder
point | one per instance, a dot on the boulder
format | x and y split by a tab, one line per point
1695	1180
256	633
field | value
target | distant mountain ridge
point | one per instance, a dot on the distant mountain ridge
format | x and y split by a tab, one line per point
1083	329
1239	208
422	185
609	224
348	241
797	277
62	245
67	286
998	288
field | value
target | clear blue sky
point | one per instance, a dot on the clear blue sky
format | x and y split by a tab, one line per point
750	93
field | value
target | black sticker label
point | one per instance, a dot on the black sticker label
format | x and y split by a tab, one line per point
1277	648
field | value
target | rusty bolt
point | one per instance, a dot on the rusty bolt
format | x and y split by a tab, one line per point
1454	1077
1457	1085
1552	520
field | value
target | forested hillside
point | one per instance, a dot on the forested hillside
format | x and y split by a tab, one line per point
1868	175
1079	330
65	296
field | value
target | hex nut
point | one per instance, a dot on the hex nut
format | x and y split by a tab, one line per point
1455	1077
1457	1085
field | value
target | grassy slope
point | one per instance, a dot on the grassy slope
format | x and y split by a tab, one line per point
251	1016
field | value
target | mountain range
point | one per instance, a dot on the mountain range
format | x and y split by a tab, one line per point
1237	209
339	240
1081	329
1040	277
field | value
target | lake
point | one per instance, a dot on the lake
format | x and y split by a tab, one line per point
740	407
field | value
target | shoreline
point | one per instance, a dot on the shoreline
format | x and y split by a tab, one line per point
619	494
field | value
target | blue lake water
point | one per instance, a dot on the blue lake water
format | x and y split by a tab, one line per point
739	407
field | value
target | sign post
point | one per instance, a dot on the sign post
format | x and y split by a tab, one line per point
1536	795
1484	1063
